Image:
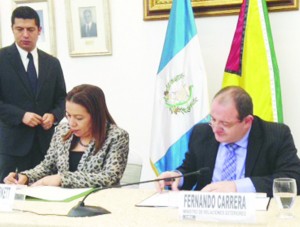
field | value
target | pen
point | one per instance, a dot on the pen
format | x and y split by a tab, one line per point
17	174
169	179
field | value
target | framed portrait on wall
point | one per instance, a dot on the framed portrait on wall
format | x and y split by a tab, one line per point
44	8
88	24
158	9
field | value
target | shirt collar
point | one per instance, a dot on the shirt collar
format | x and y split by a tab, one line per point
242	142
24	53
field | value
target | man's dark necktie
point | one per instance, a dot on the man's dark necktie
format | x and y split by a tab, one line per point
31	71
87	30
229	167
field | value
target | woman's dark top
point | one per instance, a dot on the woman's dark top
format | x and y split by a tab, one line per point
74	158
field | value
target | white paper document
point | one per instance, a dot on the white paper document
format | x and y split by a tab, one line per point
52	193
262	201
172	199
163	199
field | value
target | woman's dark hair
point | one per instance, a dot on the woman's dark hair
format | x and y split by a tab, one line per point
93	100
25	12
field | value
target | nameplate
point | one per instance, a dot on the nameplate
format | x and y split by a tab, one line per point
7	196
207	206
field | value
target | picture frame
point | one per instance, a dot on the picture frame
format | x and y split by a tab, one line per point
94	38
44	8
158	9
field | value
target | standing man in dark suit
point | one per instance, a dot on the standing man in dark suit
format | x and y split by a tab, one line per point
243	152
32	95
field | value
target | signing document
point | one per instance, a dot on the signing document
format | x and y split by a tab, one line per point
52	193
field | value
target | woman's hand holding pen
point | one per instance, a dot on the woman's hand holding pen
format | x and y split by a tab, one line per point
15	178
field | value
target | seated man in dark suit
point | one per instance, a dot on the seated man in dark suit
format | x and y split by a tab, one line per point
243	152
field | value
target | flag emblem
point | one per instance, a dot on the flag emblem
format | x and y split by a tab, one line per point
178	95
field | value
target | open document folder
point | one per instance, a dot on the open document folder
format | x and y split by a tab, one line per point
52	193
172	198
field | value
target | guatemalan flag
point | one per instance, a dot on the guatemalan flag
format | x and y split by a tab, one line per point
252	62
181	97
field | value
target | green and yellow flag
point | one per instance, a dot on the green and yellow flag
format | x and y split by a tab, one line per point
252	63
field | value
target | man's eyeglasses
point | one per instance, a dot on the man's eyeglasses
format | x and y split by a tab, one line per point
222	124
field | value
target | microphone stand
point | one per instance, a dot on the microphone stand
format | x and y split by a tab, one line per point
80	210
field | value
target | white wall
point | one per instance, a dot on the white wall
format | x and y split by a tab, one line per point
127	77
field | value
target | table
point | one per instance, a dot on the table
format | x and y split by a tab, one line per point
121	203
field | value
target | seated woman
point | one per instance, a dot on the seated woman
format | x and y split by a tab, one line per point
88	151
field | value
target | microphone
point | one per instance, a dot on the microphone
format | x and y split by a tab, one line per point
81	210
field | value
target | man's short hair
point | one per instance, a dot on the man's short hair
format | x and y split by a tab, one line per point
25	12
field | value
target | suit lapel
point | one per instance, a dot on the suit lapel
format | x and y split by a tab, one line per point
42	74
16	62
43	61
254	147
211	147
